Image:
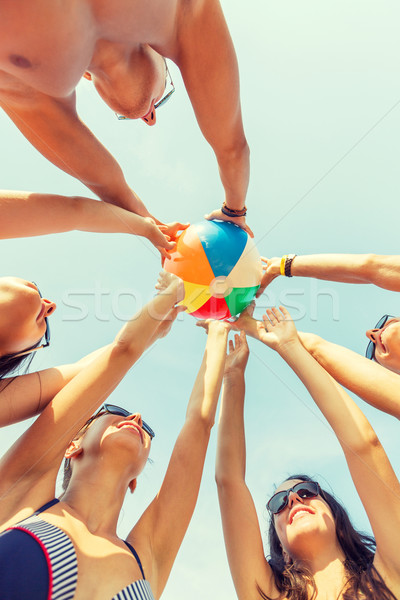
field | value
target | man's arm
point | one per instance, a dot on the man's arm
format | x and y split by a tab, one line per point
207	60
380	270
53	127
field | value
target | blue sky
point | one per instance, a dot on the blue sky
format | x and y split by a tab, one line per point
321	108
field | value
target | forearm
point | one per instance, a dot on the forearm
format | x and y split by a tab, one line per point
204	397
371	382
346	419
25	214
234	170
55	130
383	271
231	448
206	57
141	331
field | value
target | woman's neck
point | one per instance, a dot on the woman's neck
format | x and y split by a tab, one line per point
96	498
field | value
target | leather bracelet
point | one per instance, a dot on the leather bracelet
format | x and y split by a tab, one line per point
233	212
288	264
230	213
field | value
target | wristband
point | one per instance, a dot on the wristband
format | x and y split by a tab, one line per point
282	267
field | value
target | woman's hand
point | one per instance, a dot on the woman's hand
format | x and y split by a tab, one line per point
237	356
158	236
172	283
209	324
271	271
280	331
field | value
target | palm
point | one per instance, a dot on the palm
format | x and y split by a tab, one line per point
238	354
278	328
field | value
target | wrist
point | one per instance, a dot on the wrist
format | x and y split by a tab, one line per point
289	348
285	265
217	329
234	375
232	212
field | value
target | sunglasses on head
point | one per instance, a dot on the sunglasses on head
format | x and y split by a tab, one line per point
370	351
111	409
304	489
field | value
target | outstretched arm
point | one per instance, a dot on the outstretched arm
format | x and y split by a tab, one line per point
206	58
25	214
250	571
28	470
25	396
370	381
167	518
371	471
383	271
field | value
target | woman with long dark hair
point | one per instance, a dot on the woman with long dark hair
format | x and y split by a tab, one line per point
316	554
68	547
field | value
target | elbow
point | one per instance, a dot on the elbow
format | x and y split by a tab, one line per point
365	442
228	483
370	265
124	349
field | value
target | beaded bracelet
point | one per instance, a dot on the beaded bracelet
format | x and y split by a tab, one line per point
288	265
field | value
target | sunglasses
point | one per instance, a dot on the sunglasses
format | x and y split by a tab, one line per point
370	351
304	489
163	100
46	337
111	409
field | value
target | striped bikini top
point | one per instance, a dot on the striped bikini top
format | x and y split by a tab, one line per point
62	563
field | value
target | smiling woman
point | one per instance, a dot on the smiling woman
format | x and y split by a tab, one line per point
315	551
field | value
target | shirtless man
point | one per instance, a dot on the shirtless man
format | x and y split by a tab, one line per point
46	46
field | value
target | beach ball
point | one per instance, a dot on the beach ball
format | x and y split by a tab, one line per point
220	267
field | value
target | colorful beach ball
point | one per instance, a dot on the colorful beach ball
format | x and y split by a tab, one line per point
220	267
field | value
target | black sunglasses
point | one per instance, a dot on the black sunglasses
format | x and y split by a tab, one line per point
121	412
304	489
370	351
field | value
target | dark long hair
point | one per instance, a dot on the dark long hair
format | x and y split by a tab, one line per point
10	364
363	581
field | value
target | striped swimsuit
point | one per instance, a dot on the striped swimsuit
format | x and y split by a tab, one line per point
38	561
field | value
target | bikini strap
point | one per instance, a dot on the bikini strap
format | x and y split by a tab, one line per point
135	554
46	506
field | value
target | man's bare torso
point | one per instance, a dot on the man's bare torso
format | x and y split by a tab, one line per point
48	44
